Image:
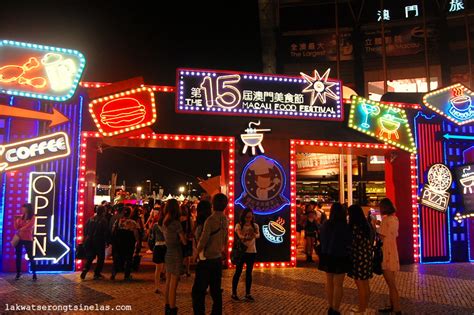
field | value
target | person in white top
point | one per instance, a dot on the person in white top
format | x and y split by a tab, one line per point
390	263
247	230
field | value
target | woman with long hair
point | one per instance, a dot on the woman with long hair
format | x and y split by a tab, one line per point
390	264
174	239
247	230
185	219
204	210
159	247
334	259
361	255
24	225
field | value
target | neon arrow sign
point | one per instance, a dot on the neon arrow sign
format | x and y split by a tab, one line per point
55	118
46	246
460	137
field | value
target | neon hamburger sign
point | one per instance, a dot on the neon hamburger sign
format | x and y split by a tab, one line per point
124	112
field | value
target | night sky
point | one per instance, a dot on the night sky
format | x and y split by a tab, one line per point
121	41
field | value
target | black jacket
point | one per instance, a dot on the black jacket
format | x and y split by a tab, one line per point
96	231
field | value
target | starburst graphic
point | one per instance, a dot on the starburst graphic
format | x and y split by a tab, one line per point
319	87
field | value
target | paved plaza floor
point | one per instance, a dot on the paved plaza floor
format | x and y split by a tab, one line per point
424	289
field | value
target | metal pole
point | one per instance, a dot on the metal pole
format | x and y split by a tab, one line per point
338	47
425	37
384	51
468	43
349	180
341	178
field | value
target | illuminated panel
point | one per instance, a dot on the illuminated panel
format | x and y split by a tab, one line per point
39	71
321	143
263	183
465	182
124	112
34	151
383	122
47	245
230	141
251	94
435	194
453	102
433	229
155	88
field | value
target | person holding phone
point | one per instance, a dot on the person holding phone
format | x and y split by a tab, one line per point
24	225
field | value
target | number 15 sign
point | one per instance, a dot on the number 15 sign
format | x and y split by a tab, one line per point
251	94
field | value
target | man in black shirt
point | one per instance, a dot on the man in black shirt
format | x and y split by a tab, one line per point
96	236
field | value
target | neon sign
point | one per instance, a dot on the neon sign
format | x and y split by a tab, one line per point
274	231
319	87
263	182
465	180
252	138
453	102
124	112
39	71
435	194
46	246
382	121
261	95
34	151
55	118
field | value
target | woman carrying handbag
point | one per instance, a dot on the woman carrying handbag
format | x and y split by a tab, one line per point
247	231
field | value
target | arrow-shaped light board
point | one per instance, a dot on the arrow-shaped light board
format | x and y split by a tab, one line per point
46	245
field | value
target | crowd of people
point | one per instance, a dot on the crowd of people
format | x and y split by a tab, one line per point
178	234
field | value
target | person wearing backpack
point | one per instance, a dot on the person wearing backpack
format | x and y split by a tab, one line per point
96	236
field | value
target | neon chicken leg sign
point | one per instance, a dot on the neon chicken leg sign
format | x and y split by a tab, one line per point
46	246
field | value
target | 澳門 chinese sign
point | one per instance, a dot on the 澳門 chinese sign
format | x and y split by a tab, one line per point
314	96
381	121
453	102
39	71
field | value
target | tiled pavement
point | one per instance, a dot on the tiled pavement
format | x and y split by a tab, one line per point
424	289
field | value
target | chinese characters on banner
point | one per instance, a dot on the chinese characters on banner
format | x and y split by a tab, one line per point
399	41
314	96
